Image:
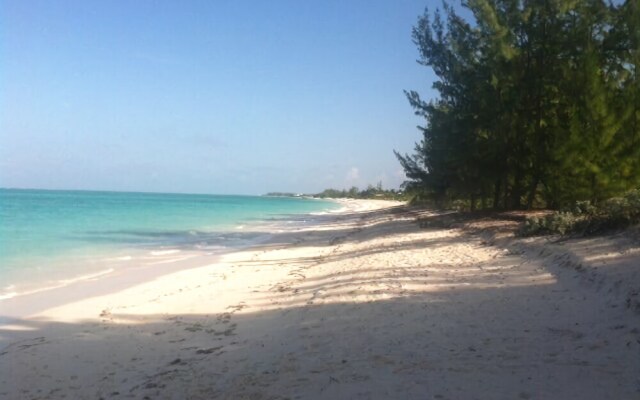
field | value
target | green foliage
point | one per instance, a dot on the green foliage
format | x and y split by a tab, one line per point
421	199
370	192
584	208
539	104
619	211
558	222
282	194
586	218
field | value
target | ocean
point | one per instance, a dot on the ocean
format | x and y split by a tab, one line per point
49	238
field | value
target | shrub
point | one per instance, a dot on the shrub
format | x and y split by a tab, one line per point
460	205
558	222
420	199
584	217
531	226
584	208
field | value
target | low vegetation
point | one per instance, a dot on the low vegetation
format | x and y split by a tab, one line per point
371	192
587	218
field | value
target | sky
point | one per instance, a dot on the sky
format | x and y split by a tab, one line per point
225	96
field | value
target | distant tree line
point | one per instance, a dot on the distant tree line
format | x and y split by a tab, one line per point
371	192
539	104
283	194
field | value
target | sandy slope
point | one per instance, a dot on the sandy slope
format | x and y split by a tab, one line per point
365	304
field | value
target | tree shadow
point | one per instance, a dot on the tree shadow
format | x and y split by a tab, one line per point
514	326
474	342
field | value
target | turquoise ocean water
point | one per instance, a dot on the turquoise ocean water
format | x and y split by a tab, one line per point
51	237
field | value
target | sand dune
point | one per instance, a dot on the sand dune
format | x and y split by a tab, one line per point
361	304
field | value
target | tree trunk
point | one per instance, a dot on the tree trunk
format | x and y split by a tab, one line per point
516	192
483	197
505	198
532	192
496	194
594	197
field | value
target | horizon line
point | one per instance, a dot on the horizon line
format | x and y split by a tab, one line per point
126	191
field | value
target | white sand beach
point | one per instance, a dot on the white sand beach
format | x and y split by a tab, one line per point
368	303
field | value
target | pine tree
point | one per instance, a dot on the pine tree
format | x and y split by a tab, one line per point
537	100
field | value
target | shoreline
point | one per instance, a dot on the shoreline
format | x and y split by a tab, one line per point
54	238
111	278
360	304
109	264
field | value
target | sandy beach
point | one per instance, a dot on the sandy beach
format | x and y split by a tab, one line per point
380	301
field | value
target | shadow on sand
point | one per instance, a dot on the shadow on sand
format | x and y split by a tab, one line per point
472	336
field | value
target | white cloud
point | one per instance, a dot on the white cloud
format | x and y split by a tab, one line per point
353	174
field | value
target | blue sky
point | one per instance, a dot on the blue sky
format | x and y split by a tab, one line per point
229	96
